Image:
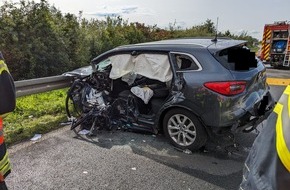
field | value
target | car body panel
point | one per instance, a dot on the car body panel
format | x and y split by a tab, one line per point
187	88
81	72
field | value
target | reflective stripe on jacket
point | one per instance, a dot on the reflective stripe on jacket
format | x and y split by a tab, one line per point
7	104
282	110
5	166
3	66
267	165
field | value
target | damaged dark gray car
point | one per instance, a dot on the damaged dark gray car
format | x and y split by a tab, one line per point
193	90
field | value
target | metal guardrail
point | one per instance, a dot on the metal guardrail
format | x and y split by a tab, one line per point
38	85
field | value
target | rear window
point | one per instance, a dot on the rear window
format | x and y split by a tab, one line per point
237	58
184	62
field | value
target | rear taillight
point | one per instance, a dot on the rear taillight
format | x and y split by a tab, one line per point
228	88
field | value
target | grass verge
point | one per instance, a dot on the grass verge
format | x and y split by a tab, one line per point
38	113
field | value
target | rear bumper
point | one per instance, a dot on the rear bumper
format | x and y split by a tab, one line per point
252	119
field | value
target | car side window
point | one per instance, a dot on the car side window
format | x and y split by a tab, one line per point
185	62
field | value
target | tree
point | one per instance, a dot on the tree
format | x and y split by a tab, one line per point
37	40
228	33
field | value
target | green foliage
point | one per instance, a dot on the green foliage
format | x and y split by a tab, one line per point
37	40
39	113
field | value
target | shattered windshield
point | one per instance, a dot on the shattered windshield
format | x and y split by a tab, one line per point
103	64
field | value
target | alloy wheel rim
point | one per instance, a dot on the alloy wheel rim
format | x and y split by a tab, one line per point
181	130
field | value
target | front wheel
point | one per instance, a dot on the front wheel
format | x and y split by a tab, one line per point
72	108
74	99
184	130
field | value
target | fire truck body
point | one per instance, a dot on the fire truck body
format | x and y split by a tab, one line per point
276	44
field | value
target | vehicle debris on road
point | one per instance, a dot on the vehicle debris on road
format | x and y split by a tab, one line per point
36	137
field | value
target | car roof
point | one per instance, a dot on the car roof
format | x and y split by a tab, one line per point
220	43
178	45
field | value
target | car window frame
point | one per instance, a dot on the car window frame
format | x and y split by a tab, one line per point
194	59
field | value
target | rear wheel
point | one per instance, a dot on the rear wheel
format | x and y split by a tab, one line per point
184	130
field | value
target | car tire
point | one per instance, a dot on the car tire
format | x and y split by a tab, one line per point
73	101
184	130
71	108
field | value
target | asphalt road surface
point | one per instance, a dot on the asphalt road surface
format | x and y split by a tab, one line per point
120	160
124	160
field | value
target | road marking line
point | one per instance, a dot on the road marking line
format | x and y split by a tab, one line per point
278	81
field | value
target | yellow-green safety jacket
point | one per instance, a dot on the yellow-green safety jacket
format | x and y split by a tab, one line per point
7	104
268	163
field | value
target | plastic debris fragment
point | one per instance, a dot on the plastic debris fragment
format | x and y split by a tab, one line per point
84	132
36	137
186	151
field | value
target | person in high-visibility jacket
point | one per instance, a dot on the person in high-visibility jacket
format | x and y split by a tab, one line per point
268	163
7	104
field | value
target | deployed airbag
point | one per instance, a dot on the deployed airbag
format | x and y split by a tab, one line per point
153	66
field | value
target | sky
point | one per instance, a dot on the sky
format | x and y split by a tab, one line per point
234	15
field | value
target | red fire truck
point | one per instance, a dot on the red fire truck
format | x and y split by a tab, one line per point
276	44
